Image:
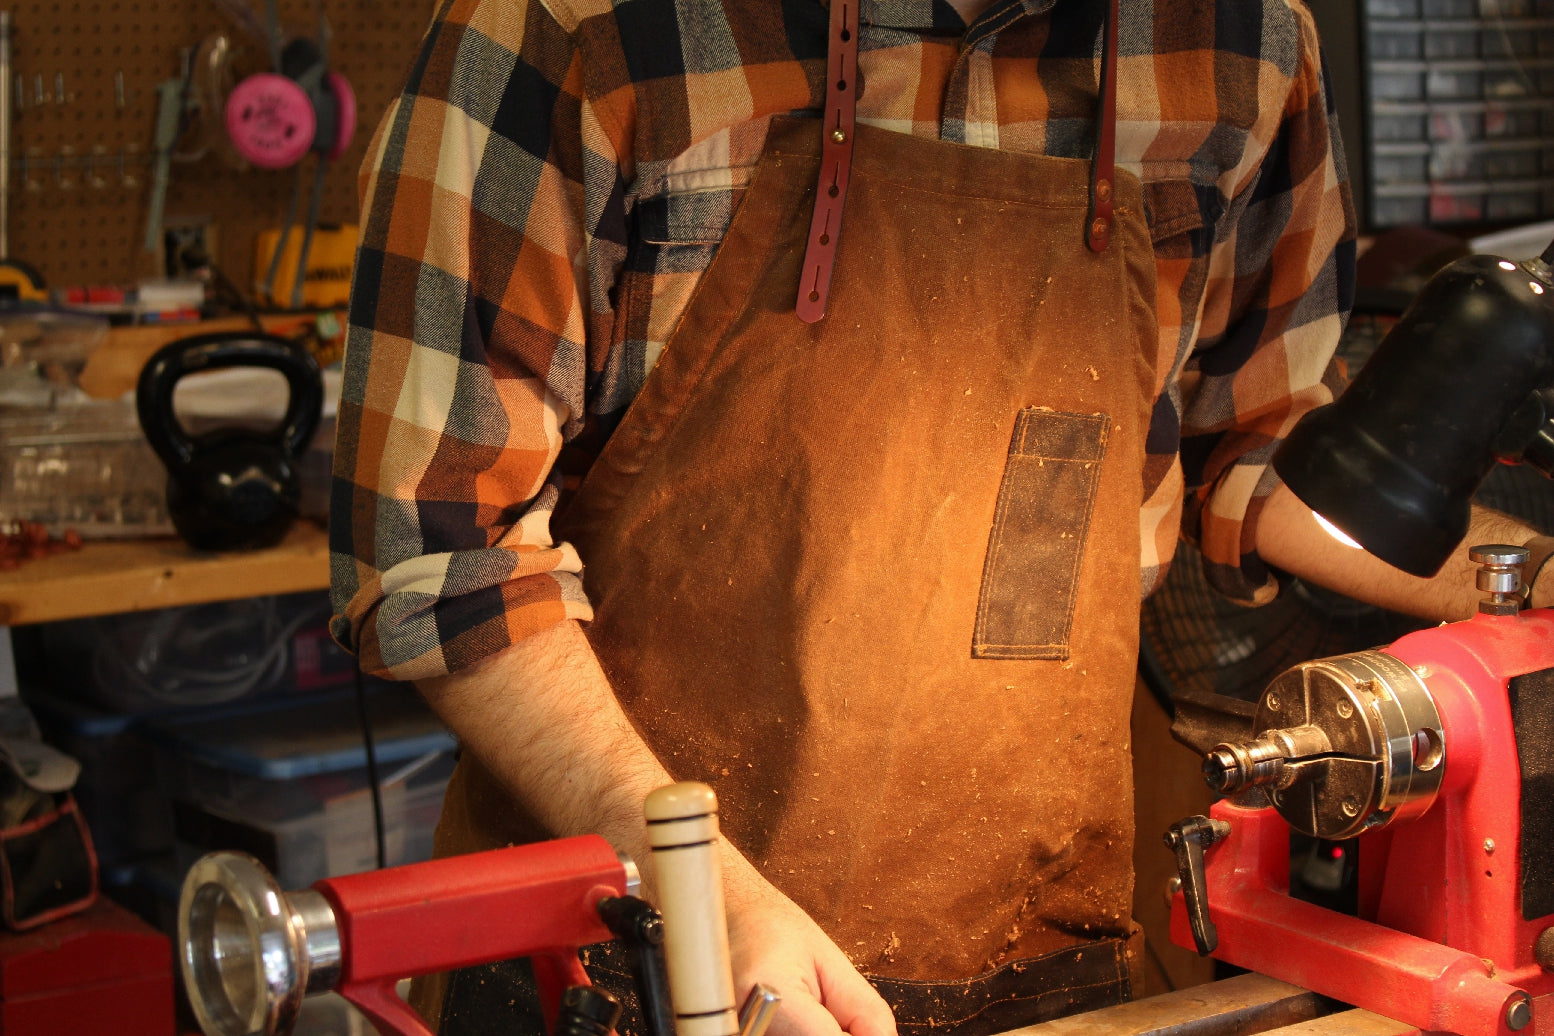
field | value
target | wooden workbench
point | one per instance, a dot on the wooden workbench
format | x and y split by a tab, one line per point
109	576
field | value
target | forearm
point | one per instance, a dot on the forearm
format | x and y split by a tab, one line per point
1289	538
542	717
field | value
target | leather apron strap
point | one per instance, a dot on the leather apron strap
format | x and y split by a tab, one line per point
1103	171
825	225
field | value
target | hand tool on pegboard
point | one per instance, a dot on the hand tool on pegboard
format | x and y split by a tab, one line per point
18	280
169	116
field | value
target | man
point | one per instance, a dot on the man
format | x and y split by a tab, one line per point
875	578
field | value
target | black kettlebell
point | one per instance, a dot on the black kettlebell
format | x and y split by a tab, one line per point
231	488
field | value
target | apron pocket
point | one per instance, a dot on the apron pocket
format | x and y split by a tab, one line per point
1030	577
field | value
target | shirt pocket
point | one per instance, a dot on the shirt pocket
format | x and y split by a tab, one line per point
1182	217
699	217
675	237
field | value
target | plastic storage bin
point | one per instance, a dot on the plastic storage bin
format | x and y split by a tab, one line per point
196	655
287	782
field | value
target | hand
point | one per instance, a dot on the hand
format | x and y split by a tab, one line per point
774	942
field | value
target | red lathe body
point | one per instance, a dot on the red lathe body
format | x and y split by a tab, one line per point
251	951
1436	751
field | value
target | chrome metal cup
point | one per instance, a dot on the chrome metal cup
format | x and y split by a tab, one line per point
249	951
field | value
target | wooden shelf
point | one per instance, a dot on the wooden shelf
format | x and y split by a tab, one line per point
105	577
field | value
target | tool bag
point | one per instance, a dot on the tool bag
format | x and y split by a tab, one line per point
48	868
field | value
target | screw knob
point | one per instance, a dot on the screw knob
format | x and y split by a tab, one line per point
1518	1012
1498	554
1500	576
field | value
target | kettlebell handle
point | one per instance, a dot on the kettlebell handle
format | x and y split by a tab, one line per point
216	351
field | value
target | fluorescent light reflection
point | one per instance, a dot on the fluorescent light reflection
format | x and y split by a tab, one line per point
1337	533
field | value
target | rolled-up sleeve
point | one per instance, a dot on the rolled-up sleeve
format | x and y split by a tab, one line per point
1280	286
491	214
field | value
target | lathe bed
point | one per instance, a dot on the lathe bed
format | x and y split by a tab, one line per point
1240	1006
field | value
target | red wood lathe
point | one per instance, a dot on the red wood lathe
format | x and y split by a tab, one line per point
251	952
1438	753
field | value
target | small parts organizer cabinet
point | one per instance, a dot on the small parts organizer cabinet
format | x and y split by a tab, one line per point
1461	110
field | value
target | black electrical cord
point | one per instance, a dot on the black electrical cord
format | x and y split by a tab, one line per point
372	768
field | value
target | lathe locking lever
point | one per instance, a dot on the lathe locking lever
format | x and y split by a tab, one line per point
1188	838
637	923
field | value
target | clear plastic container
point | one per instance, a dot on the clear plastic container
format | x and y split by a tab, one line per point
1451	41
1486	160
1400	122
320	828
1401	205
1516	201
1461	81
1400	41
1518	120
1458	203
1401	163
196	655
86	467
41	347
1398	80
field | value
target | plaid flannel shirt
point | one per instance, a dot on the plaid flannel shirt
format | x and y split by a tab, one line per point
541	200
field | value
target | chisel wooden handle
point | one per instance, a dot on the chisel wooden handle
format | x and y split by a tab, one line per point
682	822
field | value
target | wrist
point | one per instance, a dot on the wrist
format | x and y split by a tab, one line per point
1540	550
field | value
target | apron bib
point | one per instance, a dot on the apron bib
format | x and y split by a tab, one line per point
875	579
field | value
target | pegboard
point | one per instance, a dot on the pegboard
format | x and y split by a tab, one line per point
82	128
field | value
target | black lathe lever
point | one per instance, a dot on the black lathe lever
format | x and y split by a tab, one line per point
640	925
1188	838
587	1011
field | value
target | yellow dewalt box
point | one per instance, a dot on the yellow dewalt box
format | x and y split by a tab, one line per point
327	281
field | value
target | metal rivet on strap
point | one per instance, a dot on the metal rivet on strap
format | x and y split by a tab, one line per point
1103	190
1099	228
839	136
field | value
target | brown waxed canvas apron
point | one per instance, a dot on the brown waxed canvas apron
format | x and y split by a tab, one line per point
876	579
